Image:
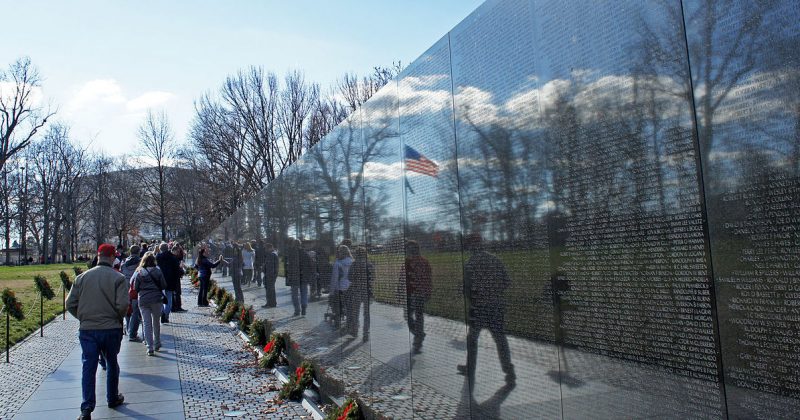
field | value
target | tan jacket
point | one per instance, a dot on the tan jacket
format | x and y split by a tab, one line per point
99	298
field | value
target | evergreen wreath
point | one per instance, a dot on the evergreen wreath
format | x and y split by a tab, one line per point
78	271
44	287
222	302
12	305
65	281
245	317
348	410
212	291
259	331
272	351
231	311
302	378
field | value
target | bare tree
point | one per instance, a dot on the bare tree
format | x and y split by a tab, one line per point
297	99
20	118
158	140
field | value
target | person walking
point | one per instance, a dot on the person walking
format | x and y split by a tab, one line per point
359	293
485	282
418	291
127	269
170	267
340	282
204	267
149	284
271	263
248	262
99	300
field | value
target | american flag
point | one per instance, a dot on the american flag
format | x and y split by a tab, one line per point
416	162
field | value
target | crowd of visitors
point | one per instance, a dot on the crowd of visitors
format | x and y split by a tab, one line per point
119	293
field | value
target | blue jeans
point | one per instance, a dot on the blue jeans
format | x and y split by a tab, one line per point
168	306
93	343
300	297
133	323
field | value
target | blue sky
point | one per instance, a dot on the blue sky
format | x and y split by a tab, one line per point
105	62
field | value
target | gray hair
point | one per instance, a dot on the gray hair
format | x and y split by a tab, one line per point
164	247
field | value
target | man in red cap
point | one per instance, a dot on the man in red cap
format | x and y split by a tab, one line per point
99	299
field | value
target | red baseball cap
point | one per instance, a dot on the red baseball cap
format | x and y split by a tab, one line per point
106	250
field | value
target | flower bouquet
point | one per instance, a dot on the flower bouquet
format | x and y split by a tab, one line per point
12	305
44	287
302	379
348	410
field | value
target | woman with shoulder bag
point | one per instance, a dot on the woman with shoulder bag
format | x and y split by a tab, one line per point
149	284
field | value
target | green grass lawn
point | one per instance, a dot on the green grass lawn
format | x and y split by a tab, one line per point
20	280
529	310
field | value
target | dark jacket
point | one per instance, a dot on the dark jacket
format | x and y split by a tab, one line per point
271	265
418	277
485	281
308	267
171	268
361	275
291	266
204	267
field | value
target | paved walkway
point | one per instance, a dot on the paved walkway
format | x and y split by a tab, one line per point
201	372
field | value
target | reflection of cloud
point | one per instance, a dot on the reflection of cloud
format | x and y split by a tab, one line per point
382	171
755	98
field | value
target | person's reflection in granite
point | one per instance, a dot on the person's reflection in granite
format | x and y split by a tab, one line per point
485	282
359	293
418	291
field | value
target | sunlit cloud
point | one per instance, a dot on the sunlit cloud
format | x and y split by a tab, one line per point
149	100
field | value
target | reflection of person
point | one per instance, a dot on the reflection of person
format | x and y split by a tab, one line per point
235	271
340	282
323	270
248	261
418	291
359	292
204	267
308	275
485	283
99	299
270	274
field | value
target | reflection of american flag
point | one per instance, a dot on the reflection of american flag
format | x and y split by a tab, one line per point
416	162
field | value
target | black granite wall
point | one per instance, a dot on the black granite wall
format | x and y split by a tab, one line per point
566	209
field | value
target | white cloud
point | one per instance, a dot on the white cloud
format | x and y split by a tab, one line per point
8	90
149	100
96	93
